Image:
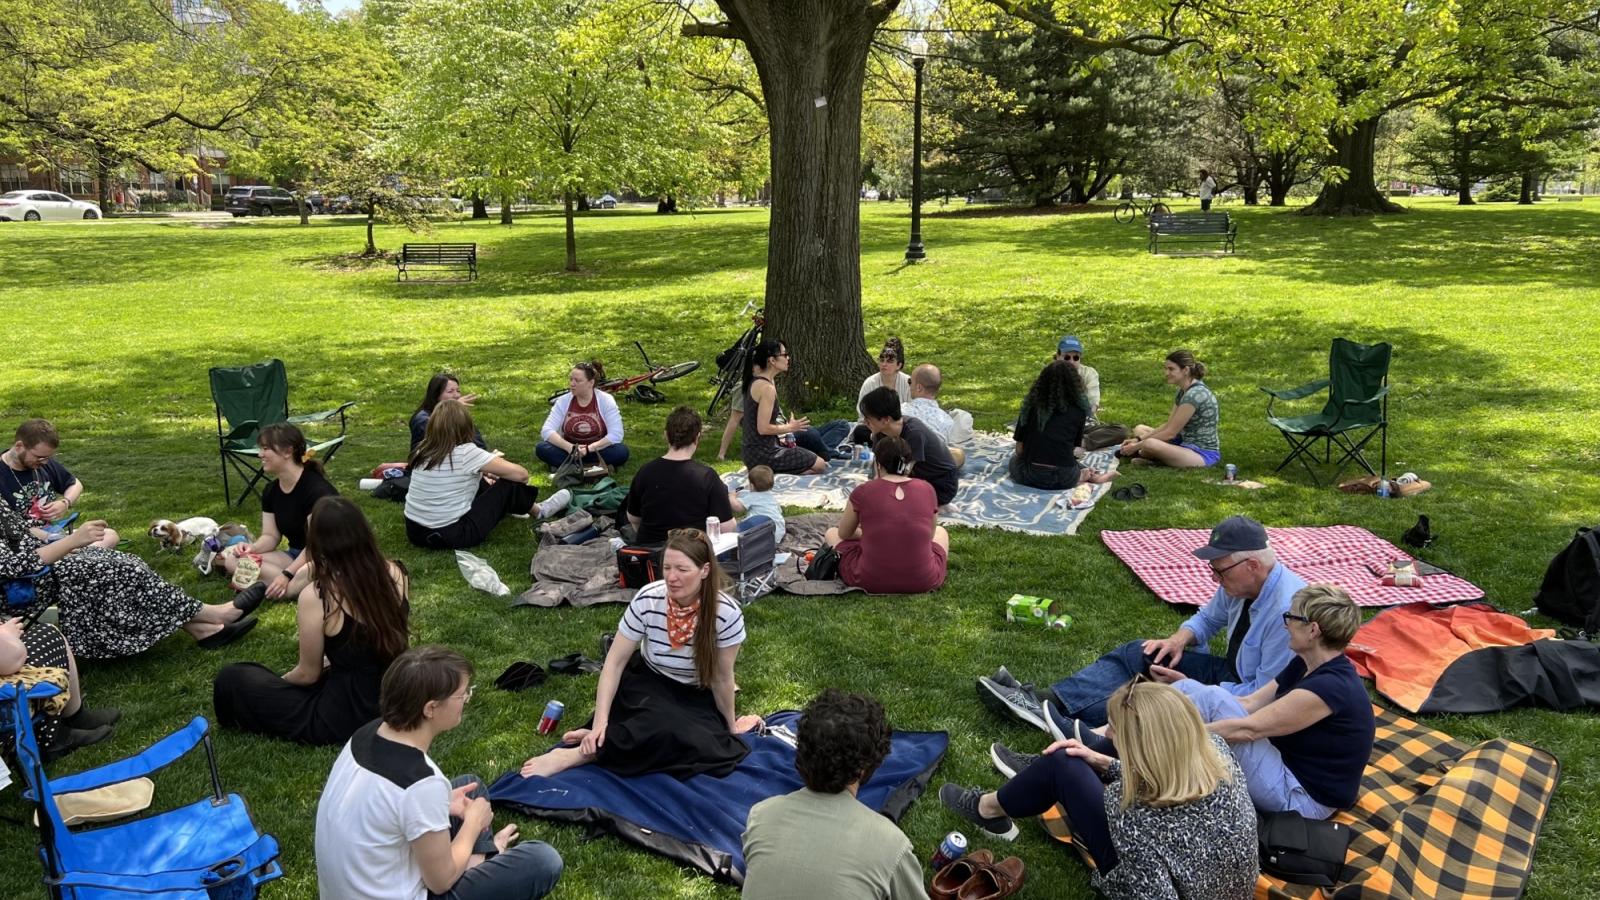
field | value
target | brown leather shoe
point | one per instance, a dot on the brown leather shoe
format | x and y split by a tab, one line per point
948	880
994	882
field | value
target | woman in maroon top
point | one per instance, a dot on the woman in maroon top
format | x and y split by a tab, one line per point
888	539
584	420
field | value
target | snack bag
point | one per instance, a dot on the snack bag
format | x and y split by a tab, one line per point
1037	611
248	571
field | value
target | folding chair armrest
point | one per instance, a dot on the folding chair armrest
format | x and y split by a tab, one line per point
1301	392
1382	392
154	758
323	416
241	431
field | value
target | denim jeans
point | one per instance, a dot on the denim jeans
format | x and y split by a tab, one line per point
824	441
1084	694
525	872
551	455
1272	786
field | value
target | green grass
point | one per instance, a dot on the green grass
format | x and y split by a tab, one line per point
1491	310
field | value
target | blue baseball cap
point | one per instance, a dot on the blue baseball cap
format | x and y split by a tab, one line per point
1232	535
1070	344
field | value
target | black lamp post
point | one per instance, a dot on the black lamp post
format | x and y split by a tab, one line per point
919	58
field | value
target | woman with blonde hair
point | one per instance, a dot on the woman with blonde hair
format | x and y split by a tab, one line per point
1171	818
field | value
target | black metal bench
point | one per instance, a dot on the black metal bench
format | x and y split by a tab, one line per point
1193	228
456	256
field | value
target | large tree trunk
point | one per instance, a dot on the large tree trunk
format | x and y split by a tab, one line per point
302	207
102	178
372	213
505	208
1461	161
572	232
811	56
480	207
1355	151
1529	181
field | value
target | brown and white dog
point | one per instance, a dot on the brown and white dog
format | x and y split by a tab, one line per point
174	535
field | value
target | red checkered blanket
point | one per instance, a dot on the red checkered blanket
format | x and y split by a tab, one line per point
1353	558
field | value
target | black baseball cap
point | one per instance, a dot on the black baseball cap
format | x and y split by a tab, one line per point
1233	534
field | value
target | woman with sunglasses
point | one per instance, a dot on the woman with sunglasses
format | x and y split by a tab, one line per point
1171	818
666	697
584	420
891	372
770	438
1304	738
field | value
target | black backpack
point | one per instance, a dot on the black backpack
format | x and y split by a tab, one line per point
1570	592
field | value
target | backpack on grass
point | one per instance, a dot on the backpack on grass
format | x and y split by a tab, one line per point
1570	592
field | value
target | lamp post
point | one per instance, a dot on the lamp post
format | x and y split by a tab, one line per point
919	58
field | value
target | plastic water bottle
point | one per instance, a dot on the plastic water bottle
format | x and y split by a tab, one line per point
1383	488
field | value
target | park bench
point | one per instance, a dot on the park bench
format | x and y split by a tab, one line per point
459	256
1193	228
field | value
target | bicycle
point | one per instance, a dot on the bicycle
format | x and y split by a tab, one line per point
634	386
1131	209
729	377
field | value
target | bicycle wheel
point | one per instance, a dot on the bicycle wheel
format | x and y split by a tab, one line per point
667	373
729	381
1125	213
1160	209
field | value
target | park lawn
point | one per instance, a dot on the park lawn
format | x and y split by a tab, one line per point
1491	310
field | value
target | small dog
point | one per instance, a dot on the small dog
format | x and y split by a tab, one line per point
174	535
212	545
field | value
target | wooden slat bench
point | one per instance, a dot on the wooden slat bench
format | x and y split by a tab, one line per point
455	256
1189	228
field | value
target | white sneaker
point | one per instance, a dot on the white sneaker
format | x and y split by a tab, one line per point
555	504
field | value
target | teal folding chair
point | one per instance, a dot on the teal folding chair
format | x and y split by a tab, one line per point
208	850
1357	409
249	398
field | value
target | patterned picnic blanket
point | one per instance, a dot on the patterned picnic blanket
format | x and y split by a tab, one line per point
1436	818
987	498
1353	558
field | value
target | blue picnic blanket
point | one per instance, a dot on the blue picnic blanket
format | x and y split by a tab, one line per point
700	822
987	498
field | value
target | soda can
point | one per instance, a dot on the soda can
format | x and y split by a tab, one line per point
1233	472
552	716
713	526
952	848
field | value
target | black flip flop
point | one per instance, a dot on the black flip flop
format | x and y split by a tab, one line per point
1132	492
573	664
520	675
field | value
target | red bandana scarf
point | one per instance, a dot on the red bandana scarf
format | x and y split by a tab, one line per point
680	623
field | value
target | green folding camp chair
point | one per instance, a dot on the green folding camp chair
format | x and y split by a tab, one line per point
1357	409
250	398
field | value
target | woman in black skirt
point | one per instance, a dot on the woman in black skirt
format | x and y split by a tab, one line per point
354	613
668	707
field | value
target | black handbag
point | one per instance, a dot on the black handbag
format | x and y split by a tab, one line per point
1302	850
824	565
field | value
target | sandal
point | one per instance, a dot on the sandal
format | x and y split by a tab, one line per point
1132	492
573	664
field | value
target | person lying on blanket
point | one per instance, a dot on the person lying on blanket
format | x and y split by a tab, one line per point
1253	593
843	738
1171	818
1188	438
1303	739
669	707
1049	429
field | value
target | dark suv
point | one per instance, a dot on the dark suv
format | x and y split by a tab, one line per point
260	201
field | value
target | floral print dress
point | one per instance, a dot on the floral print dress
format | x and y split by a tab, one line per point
111	603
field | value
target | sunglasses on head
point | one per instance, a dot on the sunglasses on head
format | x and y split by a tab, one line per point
1127	697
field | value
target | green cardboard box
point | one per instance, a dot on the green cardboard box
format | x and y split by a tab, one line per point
1037	611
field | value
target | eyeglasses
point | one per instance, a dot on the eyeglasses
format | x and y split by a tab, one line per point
464	697
1216	573
1072	357
783	355
1291	617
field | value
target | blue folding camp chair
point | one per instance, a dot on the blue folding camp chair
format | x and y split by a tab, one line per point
208	850
18	594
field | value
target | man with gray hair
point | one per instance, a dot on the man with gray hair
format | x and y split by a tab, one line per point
1254	590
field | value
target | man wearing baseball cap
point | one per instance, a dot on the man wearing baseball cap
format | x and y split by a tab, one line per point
1070	349
1253	592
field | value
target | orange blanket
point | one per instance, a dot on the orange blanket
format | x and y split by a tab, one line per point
1406	648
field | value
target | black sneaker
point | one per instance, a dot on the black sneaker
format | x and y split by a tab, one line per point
69	739
964	803
1001	676
1018	702
1008	761
90	719
1064	727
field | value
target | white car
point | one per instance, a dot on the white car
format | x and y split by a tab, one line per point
31	206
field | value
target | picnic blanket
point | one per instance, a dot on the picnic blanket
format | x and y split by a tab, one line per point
987	498
1472	659
700	822
1436	818
1353	558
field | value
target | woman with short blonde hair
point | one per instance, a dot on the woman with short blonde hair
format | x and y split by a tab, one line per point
1172	818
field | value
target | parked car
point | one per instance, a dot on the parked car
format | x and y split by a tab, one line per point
258	200
33	206
606	201
440	205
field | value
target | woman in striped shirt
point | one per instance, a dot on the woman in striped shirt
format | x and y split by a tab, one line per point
668	707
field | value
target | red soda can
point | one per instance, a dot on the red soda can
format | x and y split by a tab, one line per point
551	717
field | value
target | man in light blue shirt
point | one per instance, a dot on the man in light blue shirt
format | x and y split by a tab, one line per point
1254	590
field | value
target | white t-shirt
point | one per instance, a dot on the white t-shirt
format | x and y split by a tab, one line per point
1207	187
902	386
380	796
441	495
645	621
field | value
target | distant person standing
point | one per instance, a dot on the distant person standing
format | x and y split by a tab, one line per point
1208	186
